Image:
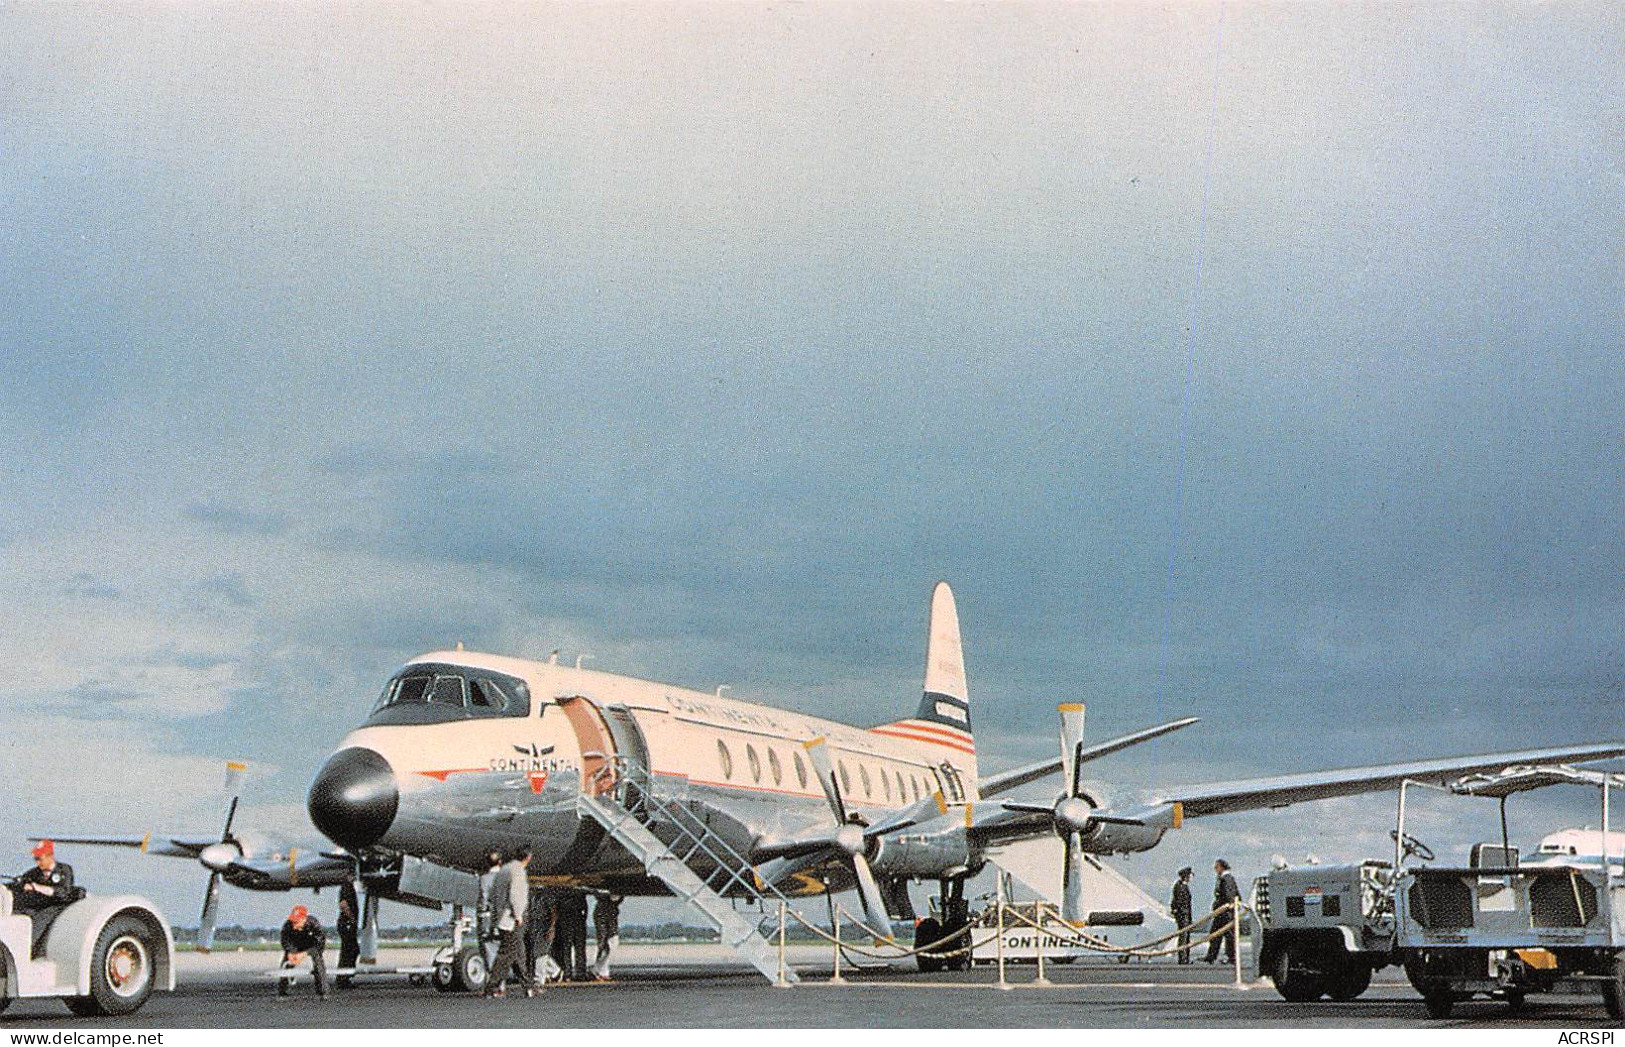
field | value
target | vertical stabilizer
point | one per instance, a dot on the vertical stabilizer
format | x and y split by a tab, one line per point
947	696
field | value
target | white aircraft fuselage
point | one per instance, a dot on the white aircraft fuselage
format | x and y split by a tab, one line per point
453	783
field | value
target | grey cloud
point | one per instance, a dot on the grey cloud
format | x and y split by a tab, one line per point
232	519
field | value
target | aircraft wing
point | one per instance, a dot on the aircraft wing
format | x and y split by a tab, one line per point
1254	793
152	843
1004	781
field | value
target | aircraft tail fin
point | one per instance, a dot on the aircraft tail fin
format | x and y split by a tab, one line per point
947	696
943	717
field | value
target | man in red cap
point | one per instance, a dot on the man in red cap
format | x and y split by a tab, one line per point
48	883
302	936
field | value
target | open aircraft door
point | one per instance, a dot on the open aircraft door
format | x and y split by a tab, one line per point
598	773
605	733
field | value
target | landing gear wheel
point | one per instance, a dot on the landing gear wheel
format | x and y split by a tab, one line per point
1517	1002
468	970
1350	982
961	961
123	968
925	933
1295	982
1440	1005
1613	990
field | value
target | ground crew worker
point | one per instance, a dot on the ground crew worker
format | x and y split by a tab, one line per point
484	918
348	924
606	929
302	936
512	898
49	883
541	924
1180	910
570	941
1224	892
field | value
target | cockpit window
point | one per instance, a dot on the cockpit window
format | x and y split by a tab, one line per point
443	693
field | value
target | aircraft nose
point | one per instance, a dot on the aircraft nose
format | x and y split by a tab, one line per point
353	799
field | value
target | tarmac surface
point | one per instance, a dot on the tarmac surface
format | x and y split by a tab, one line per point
678	986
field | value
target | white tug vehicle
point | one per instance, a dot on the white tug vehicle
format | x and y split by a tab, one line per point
99	955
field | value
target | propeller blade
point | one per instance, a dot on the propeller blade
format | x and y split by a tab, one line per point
1072	880
818	753
234	787
874	904
1071	740
211	909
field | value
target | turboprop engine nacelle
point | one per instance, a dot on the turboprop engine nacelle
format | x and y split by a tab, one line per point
1128	831
925	851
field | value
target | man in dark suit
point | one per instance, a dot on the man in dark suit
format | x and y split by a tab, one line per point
1224	892
1180	910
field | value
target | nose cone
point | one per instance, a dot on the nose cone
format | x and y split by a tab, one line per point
354	798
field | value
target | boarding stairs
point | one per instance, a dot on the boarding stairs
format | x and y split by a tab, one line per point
628	818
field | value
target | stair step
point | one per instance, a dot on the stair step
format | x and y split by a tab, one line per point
694	892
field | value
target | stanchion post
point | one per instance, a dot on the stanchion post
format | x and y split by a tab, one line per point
836	979
1235	938
1041	921
783	982
998	899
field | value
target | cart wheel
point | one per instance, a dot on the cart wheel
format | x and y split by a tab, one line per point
1440	1006
1517	1001
1613	990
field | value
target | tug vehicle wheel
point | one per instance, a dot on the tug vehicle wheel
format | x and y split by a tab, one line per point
123	969
1439	1005
1348	983
1295	982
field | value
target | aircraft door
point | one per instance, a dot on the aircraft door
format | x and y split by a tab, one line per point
598	774
630	744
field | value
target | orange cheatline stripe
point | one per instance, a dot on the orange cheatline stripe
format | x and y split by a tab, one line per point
925	738
441	776
955	733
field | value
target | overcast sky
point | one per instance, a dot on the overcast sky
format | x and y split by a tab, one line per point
1261	363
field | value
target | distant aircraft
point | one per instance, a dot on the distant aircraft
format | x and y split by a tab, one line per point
644	788
242	861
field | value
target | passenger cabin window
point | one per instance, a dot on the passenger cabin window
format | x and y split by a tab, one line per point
755	763
863	776
846	779
902	790
726	758
885	784
431	693
774	766
801	769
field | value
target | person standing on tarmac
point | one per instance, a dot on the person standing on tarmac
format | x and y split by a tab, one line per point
511	901
302	936
573	929
49	883
540	926
348	925
1224	892
606	929
1180	910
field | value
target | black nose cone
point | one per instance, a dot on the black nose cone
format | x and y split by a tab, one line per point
353	799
